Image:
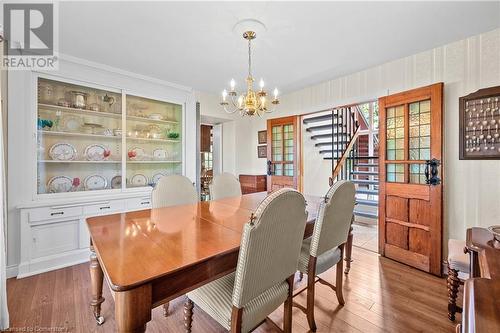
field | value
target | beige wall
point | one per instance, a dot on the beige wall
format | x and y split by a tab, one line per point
472	188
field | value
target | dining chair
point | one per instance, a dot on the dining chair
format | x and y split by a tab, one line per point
267	262
325	248
225	185
172	191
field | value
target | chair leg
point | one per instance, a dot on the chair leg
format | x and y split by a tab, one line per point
188	315
287	315
311	274
165	309
348	250
339	278
453	284
301	276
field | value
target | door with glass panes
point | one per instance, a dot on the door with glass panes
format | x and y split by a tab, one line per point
410	194
282	149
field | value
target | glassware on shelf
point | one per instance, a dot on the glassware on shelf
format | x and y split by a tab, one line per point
46	93
78	99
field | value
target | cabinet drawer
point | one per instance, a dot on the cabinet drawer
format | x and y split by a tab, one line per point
48	213
54	238
139	203
104	207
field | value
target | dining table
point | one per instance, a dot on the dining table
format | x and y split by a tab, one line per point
150	257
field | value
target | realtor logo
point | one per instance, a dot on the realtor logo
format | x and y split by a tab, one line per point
30	35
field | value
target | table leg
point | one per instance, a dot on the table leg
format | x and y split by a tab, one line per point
348	249
96	277
133	309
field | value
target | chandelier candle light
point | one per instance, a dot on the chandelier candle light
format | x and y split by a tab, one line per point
253	102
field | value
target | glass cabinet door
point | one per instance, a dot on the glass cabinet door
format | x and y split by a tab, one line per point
153	140
79	138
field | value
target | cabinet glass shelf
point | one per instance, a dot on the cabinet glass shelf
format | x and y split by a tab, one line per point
80	139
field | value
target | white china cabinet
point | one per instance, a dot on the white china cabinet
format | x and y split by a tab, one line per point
99	151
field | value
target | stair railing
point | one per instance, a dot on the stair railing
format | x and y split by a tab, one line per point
344	138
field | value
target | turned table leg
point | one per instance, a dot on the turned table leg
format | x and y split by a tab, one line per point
453	284
133	309
348	249
96	277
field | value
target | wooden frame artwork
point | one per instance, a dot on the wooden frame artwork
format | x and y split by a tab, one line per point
262	151
479	123
262	136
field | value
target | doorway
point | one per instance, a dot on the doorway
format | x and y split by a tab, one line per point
210	153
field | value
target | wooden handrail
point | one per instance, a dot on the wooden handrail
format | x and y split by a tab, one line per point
345	154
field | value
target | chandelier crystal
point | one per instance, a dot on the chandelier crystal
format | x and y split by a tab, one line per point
252	102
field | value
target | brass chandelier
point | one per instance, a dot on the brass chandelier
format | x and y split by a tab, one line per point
253	102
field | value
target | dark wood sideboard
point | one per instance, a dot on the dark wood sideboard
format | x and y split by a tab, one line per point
481	310
253	183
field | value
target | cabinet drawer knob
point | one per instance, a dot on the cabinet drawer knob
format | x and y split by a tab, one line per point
145	203
104	207
56	213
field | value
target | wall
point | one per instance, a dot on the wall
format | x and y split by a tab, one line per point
471	188
21	165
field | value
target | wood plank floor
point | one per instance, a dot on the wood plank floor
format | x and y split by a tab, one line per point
381	296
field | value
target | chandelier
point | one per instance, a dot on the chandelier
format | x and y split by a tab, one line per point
253	102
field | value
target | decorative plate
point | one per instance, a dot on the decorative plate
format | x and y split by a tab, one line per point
116	182
59	184
95	182
136	153
495	230
62	152
71	123
159	154
156	177
138	180
97	152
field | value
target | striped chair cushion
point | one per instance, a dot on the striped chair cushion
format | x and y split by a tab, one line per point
324	262
215	299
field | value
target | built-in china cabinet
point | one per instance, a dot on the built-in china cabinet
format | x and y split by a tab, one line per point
98	150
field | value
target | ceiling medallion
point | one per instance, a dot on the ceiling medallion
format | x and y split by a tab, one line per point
252	102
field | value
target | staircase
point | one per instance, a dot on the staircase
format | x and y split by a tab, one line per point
337	137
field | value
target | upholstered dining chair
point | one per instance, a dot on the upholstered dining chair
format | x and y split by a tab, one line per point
267	262
172	191
225	185
325	248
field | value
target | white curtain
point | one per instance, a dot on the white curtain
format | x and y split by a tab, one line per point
4	313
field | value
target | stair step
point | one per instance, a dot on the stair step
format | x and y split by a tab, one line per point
367	202
365	191
366	214
365	173
329	143
366	157
319	118
324	127
369	165
327	151
326	136
364	181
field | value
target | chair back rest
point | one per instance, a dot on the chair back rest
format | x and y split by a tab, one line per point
334	218
224	185
172	191
270	245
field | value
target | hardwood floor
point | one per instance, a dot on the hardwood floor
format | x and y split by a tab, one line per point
381	296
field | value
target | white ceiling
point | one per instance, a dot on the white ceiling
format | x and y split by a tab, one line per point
192	43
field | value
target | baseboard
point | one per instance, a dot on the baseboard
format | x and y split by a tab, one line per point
50	263
11	271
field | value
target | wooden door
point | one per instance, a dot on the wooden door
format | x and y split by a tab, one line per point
410	194
282	153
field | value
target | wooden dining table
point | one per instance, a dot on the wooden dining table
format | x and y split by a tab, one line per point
150	257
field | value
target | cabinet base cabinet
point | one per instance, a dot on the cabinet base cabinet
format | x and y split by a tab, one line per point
57	236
